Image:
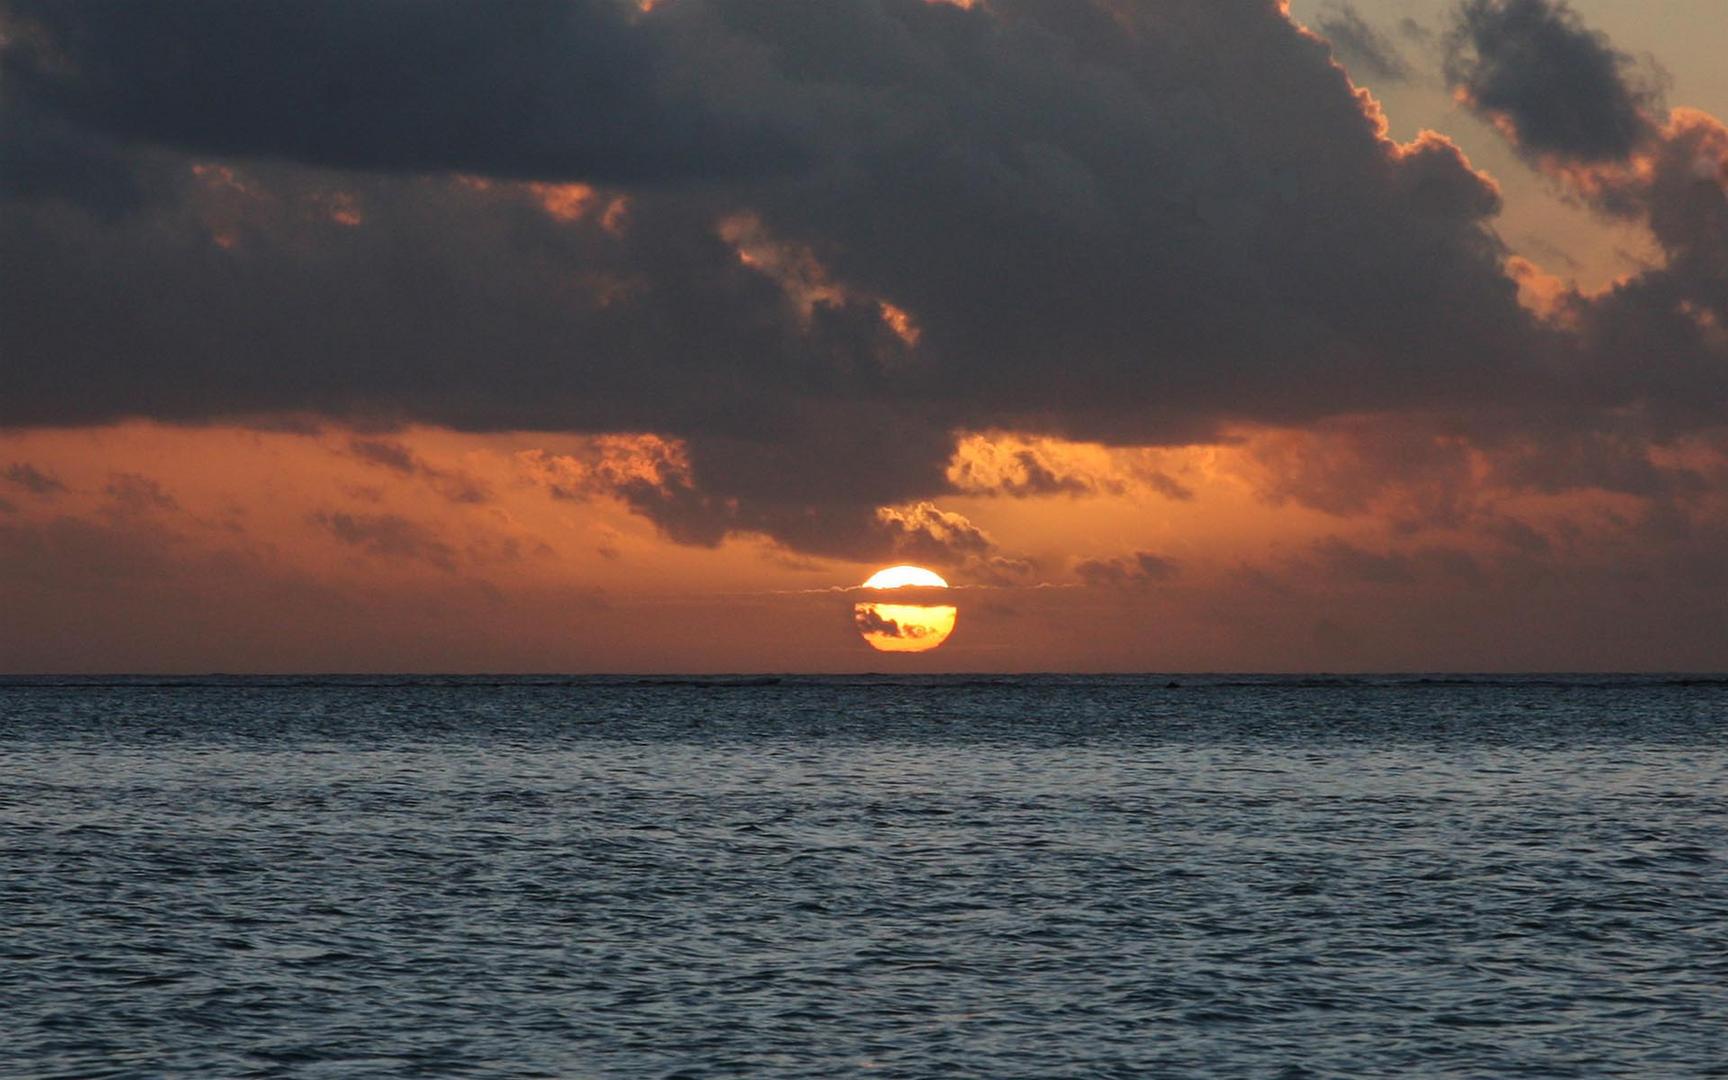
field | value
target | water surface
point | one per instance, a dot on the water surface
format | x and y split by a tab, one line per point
887	877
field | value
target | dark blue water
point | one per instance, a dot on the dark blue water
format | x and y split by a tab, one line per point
888	878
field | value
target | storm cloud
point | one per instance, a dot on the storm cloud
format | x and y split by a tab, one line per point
835	234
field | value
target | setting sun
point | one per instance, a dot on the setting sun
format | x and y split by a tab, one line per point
905	627
899	577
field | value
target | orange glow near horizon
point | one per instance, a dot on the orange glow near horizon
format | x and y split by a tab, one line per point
309	547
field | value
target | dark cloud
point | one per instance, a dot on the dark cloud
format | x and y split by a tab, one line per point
1410	470
1364	49
536	88
1141	569
1132	224
1680	187
1608	462
1040	479
133	494
1166	485
391	455
43	157
1518	535
390	537
1342	561
1001	570
1415	32
871	621
452	484
1562	87
35	481
1654	341
73	556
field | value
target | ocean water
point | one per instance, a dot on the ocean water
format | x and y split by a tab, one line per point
1039	877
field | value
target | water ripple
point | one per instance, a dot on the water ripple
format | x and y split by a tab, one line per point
900	878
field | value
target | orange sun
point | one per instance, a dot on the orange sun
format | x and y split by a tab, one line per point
905	627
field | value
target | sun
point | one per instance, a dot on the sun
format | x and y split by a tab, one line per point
904	627
898	577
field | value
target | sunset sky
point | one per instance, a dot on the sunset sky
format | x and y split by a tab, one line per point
597	336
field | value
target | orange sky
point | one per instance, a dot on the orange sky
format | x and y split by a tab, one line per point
149	547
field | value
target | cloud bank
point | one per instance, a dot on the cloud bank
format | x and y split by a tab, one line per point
810	246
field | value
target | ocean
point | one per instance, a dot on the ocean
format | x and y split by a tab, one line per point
1046	876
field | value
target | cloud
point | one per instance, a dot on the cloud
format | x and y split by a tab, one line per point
1415	32
542	89
71	556
983	465
648	473
391	455
389	537
1409	471
1655	341
452	484
1003	463
923	166
133	494
1342	559
1143	568
846	232
1601	460
923	532
27	476
1001	570
871	621
49	159
1557	85
1360	44
1335	562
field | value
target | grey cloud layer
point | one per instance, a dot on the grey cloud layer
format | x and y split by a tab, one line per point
532	88
1129	223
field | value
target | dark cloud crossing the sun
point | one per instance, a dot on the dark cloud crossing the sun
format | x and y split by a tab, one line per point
870	621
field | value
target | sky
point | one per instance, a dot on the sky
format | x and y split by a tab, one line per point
607	336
